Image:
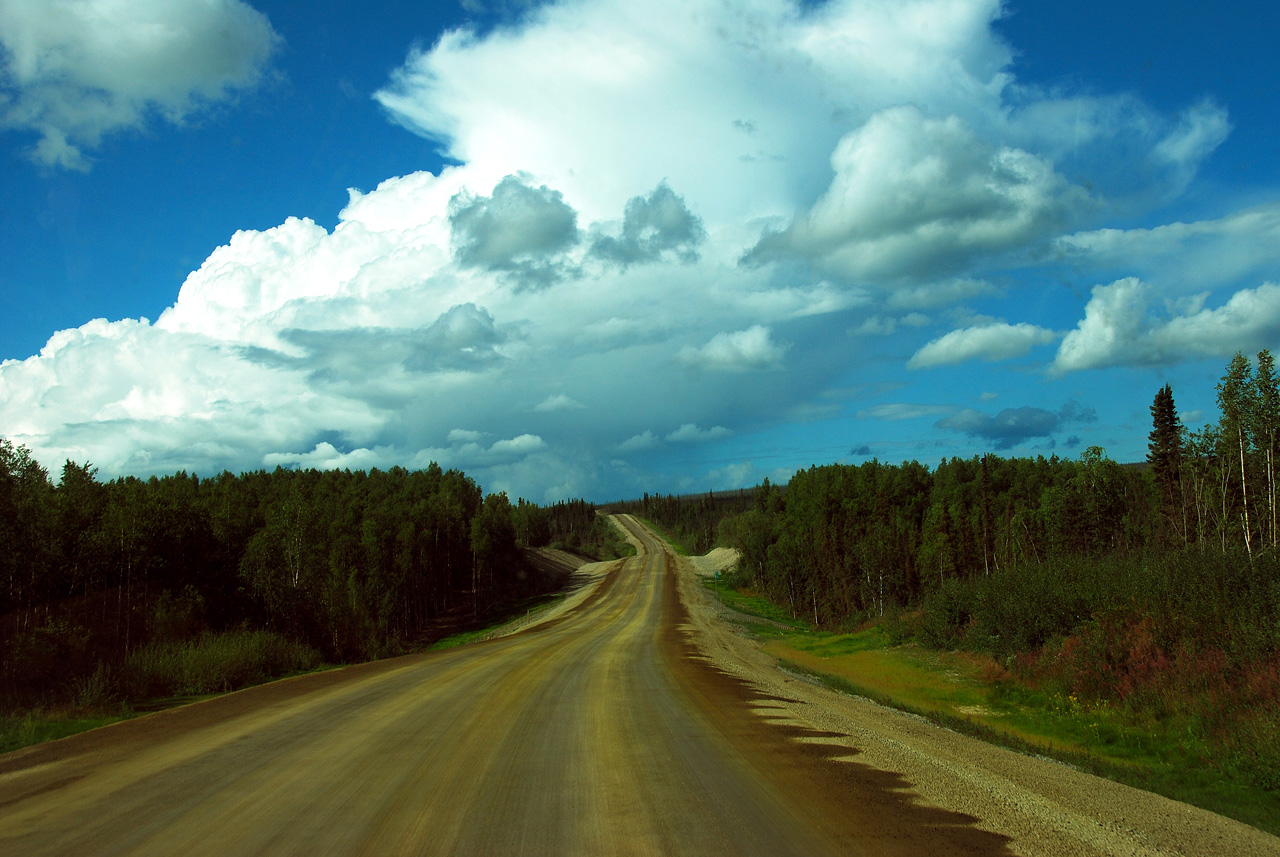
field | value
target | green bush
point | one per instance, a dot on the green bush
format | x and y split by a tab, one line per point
1019	609
95	690
947	612
1253	749
177	616
41	661
213	663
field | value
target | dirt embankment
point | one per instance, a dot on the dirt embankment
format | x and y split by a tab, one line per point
719	560
582	578
1044	807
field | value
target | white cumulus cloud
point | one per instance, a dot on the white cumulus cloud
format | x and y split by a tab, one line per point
1196	255
896	411
611	163
691	433
558	402
999	341
740	351
1127	324
327	457
638	442
74	70
919	195
522	445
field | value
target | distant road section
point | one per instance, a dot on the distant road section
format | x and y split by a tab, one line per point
602	731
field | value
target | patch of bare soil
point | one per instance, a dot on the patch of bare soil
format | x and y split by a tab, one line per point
721	560
1042	807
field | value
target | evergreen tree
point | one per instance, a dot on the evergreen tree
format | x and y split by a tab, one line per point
1165	455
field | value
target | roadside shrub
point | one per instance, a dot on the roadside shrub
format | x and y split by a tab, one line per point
94	690
900	625
1252	747
1097	662
177	616
16	732
1023	607
213	663
947	612
44	658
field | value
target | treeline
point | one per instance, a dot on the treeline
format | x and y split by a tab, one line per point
849	541
347	565
570	525
1153	586
692	520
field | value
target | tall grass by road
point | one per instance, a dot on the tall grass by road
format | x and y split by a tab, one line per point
213	663
158	675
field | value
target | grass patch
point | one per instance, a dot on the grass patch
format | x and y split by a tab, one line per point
602	543
752	603
967	693
167	675
38	727
612	543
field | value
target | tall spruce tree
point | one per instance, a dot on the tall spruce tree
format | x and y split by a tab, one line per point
1164	452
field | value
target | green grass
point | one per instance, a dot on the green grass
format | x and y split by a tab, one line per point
38	727
603	542
753	604
167	675
613	544
966	692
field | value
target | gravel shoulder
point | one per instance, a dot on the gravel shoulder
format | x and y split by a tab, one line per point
1043	806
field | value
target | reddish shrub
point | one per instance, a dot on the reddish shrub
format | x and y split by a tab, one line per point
1027	664
1141	666
1261	684
993	673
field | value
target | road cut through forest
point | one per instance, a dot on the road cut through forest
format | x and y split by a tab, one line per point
633	722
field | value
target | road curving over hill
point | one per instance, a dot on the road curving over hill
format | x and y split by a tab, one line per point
631	723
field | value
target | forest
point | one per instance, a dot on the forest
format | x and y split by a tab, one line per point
1154	586
690	521
136	588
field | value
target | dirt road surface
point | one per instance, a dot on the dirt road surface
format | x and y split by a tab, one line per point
633	722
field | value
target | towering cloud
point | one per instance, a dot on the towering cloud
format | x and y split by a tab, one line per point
915	195
662	223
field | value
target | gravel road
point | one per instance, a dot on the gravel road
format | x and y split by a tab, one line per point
632	721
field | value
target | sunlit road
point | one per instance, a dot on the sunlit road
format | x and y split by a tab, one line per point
598	733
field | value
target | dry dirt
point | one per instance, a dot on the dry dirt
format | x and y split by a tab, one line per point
717	560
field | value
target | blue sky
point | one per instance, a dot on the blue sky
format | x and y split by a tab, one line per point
597	250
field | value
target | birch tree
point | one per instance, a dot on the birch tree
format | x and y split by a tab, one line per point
1236	393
